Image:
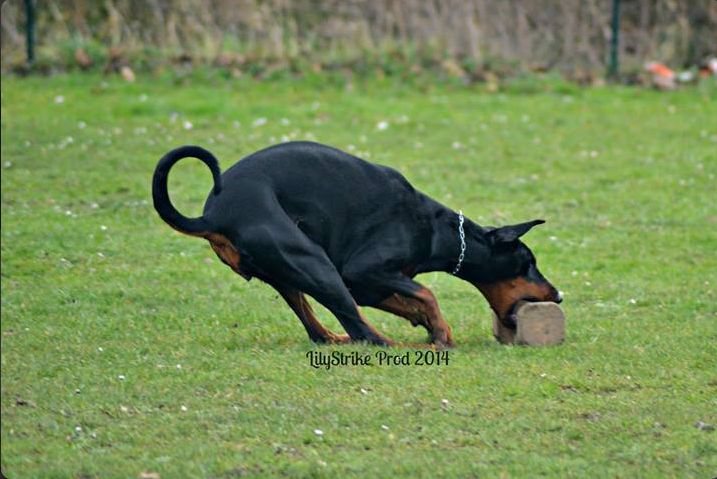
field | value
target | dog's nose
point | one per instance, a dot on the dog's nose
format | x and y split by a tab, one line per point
559	297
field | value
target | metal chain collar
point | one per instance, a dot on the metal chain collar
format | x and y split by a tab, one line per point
462	236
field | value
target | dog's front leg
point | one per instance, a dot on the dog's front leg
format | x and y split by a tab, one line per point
421	307
409	300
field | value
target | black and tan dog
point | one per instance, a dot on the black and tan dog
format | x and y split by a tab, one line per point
310	219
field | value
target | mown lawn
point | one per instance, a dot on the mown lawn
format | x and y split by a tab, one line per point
128	349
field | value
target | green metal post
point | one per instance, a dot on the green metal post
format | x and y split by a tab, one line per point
613	66
30	30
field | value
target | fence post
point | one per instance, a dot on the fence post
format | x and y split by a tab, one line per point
613	65
30	31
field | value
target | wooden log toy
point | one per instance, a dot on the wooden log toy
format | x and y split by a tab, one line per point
538	324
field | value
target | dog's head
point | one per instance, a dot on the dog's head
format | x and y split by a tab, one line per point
508	273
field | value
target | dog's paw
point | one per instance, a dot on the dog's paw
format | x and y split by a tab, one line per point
339	339
379	340
442	339
442	345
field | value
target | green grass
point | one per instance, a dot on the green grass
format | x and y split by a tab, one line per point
95	285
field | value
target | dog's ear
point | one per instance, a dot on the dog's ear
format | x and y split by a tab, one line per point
508	234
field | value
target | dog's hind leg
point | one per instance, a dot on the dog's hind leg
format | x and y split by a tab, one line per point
282	250
300	305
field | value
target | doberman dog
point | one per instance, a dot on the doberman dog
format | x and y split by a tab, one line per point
310	219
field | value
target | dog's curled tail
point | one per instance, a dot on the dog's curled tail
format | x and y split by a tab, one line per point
160	195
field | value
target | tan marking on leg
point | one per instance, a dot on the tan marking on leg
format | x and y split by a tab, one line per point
422	308
316	331
409	308
225	250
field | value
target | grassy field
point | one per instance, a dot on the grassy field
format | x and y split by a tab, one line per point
129	350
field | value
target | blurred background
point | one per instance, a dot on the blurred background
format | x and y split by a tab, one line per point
473	40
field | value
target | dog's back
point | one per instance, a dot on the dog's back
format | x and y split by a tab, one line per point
332	196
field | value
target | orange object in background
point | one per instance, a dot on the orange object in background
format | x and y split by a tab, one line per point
662	76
